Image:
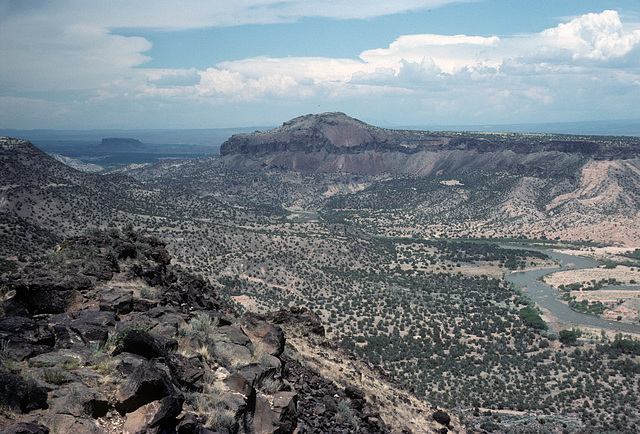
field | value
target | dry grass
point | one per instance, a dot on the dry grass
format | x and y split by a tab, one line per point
398	407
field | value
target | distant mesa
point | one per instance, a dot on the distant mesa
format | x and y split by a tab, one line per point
335	142
332	132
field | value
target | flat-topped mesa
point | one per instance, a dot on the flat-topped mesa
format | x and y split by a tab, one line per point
331	132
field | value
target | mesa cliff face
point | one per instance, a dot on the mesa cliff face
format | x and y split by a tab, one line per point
335	142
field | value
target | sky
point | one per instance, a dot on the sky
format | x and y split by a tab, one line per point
167	64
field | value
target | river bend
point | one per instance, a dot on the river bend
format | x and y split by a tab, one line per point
547	298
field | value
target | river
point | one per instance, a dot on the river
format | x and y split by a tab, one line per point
547	298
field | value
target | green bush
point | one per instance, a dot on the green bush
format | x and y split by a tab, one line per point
532	318
569	337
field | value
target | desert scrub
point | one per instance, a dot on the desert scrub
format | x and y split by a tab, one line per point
201	326
345	412
212	409
270	385
261	356
54	376
71	364
147	293
97	348
105	367
5	358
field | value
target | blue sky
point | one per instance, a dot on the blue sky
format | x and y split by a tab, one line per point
73	64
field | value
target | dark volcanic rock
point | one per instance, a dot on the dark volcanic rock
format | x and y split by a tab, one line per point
157	416
25	428
78	400
300	316
16	393
40	291
277	415
120	302
188	371
87	326
144	344
261	332
103	373
441	417
144	385
25	337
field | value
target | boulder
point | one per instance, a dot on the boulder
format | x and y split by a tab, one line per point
154	275
16	393
43	291
237	383
441	417
120	302
233	334
125	250
126	363
232	355
275	415
300	316
356	395
255	373
330	404
268	336
144	385
189	424
82	327
187	370
146	345
78	400
25	337
25	428
66	423
156	416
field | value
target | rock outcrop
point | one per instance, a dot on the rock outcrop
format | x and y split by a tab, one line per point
132	344
335	142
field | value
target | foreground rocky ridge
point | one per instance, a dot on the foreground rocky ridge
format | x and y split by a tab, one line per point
105	335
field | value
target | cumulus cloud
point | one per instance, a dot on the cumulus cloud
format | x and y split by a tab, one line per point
73	44
438	61
73	47
598	37
448	53
174	77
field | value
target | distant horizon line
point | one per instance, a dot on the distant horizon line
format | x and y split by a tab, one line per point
630	126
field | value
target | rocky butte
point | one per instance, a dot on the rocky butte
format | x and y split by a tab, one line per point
335	142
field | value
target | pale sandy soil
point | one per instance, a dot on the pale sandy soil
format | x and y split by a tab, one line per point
246	301
625	303
587	331
621	273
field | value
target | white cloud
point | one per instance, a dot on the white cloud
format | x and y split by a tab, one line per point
71	44
176	14
49	57
598	37
440	62
588	63
448	53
